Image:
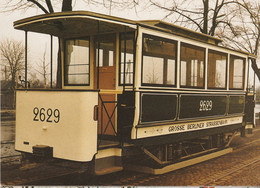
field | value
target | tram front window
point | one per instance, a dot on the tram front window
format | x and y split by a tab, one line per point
192	66
77	62
217	67
159	61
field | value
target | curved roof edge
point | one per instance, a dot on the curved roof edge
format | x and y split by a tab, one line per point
71	13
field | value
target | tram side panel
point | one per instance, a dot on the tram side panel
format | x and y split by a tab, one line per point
189	115
60	120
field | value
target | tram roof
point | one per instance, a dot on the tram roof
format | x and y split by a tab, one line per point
73	24
178	30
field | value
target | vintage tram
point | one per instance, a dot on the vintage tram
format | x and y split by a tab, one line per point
143	94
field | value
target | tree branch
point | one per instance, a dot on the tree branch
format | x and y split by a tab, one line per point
178	11
48	2
39	5
66	5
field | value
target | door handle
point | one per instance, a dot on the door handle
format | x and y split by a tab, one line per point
95	117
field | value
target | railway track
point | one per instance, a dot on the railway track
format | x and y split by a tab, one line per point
29	175
16	173
216	179
219	179
37	174
8	155
229	173
7	142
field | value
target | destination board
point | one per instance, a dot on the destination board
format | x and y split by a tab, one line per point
146	132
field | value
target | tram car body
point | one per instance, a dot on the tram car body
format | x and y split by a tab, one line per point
129	87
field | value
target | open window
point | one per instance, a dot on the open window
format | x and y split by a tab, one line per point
236	72
127	57
105	61
77	62
192	66
159	61
217	69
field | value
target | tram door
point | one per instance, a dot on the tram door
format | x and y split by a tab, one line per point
105	80
250	109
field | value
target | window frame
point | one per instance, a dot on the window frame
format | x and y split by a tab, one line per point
176	58
244	73
204	68
134	59
226	76
65	62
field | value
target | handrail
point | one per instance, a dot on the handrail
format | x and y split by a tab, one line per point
106	91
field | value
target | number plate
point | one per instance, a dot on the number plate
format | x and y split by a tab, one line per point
201	106
46	115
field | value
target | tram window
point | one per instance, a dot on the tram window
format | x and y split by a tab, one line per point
192	66
217	68
106	54
236	72
77	62
128	67
170	71
159	61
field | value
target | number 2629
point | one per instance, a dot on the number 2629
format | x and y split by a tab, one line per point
206	105
48	115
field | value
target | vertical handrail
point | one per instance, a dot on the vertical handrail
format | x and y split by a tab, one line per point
51	57
98	57
124	59
26	46
101	117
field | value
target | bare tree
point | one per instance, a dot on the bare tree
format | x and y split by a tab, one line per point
43	69
204	16
35	82
245	31
12	53
47	7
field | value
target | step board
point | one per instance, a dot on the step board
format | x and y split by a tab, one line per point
108	160
249	128
108	170
176	166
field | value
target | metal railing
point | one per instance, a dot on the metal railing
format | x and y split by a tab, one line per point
105	112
